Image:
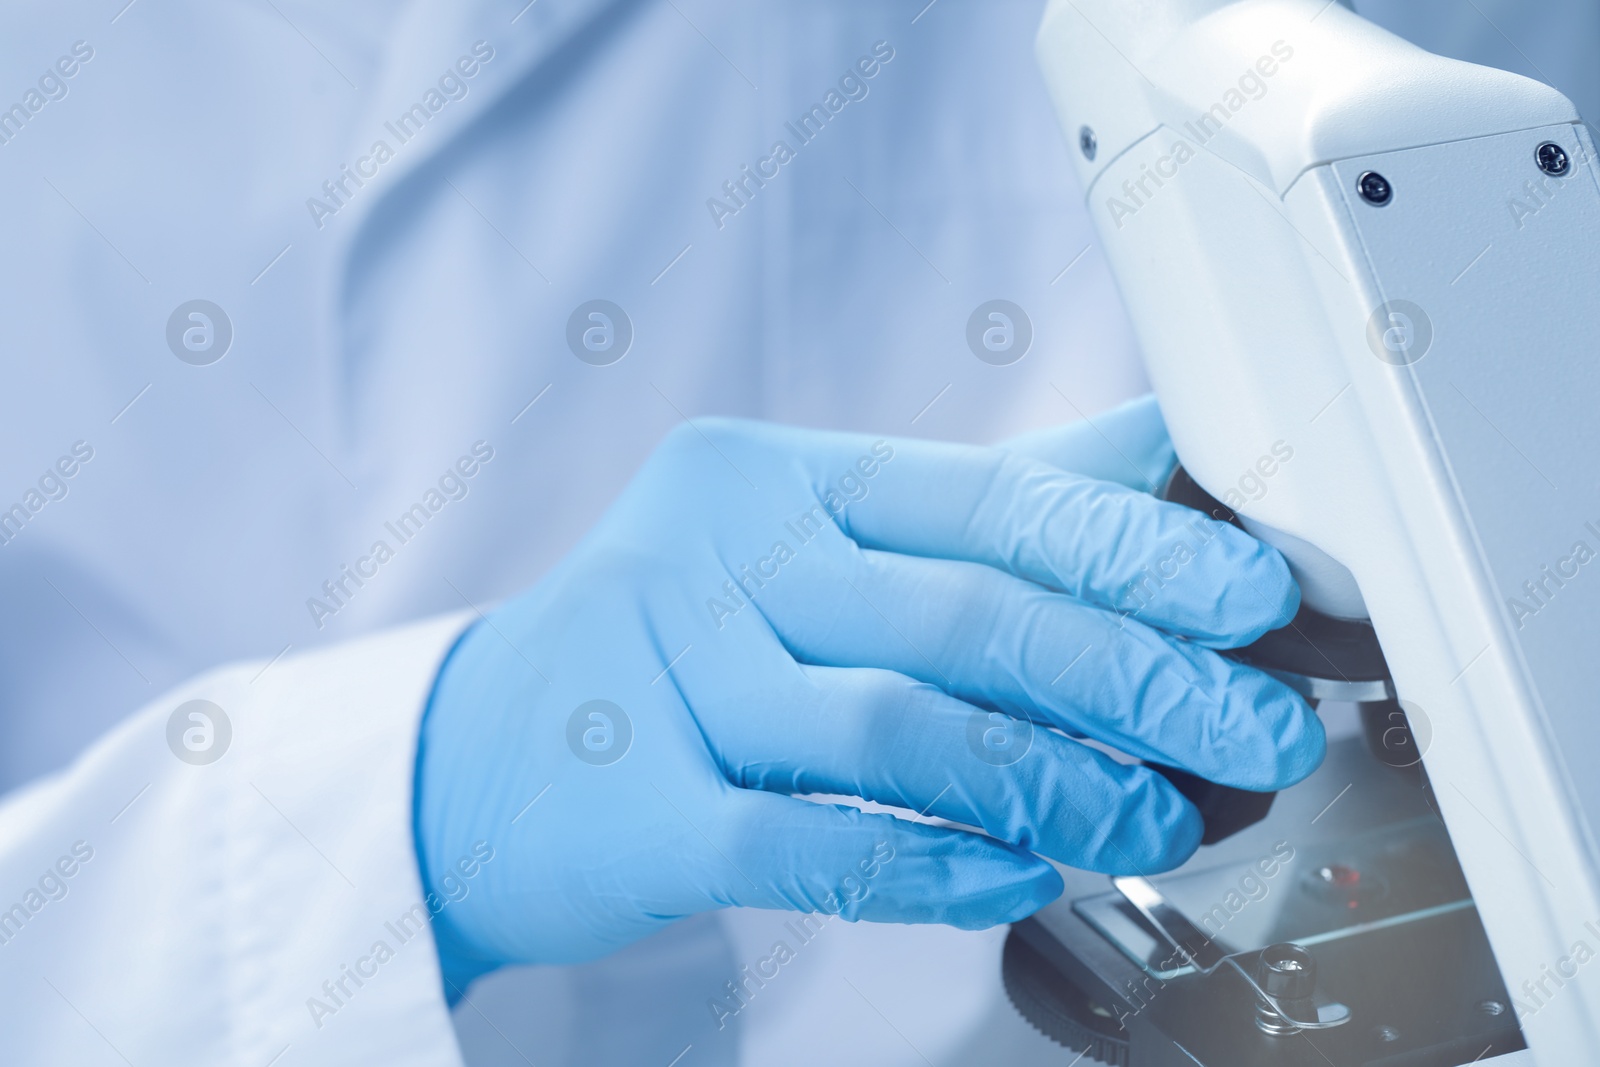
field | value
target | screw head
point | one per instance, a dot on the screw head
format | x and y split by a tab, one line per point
1552	159
1387	1035
1287	971
1088	143
1491	1009
1374	188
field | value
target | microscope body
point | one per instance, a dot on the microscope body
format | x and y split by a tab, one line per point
1366	281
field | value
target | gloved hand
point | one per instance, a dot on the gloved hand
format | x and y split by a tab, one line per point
769	611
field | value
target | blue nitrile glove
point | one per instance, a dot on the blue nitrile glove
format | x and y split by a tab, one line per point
769	611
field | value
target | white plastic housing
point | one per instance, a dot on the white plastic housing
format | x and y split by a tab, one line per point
1439	485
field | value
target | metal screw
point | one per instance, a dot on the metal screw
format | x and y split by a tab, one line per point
1087	142
1289	973
1386	1034
1552	159
1491	1008
1375	188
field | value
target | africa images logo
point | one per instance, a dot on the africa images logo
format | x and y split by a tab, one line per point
740	191
999	333
599	732
1252	85
1399	333
199	732
452	85
599	332
199	332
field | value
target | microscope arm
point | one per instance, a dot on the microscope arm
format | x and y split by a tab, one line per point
1366	281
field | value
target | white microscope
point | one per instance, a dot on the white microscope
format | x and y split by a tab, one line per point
1366	280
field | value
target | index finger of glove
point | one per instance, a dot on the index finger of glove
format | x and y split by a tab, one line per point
1114	547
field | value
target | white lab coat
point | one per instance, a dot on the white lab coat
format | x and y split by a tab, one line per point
210	903
379	333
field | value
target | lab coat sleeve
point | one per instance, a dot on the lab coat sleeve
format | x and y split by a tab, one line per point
264	908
